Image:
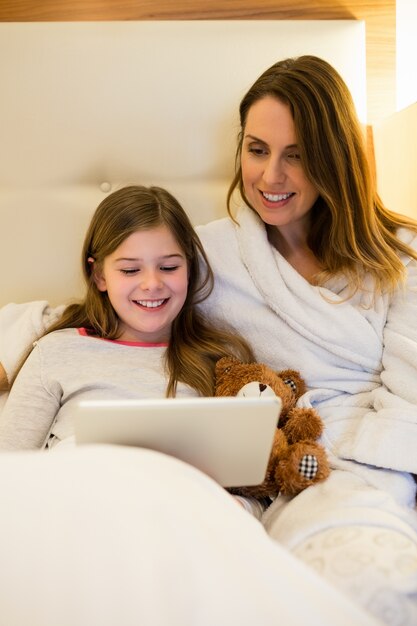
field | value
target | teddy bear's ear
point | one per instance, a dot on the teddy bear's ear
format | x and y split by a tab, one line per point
294	381
225	363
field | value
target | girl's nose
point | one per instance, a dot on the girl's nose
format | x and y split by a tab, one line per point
150	280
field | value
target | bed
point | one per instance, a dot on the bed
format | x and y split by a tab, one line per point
86	108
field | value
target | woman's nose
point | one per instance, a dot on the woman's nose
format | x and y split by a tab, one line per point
274	171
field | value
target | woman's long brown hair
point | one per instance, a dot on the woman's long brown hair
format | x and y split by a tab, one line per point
352	232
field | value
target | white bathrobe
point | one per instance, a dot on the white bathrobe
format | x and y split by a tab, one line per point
359	360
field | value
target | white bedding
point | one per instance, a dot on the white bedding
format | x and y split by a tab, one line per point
131	537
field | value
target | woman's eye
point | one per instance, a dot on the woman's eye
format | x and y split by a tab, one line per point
257	151
294	156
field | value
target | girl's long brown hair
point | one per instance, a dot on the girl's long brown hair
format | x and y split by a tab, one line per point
352	232
195	344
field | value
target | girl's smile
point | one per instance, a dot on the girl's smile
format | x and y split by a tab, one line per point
151	304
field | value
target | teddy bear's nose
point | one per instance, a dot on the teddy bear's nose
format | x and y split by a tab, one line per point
262	387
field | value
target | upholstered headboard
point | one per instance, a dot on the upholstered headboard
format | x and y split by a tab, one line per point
88	107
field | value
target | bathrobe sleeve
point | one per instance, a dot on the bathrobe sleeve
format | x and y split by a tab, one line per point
386	436
20	326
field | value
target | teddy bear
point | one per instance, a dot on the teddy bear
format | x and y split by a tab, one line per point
297	460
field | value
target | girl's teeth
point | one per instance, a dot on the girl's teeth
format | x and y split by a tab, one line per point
276	197
150	304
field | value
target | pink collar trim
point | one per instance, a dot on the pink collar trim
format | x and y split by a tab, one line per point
84	332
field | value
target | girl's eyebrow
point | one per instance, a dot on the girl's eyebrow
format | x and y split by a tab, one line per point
165	256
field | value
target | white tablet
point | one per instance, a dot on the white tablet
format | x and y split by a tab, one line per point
229	439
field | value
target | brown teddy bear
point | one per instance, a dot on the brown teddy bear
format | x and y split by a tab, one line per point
297	460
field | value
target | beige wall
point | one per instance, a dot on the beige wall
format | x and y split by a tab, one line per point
395	144
378	15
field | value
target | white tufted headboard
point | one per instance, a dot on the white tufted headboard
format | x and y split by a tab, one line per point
88	107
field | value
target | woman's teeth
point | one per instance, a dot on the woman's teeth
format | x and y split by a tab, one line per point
276	197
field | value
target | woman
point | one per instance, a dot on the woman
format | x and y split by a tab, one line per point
323	278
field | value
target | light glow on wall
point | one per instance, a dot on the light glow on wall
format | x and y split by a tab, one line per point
406	46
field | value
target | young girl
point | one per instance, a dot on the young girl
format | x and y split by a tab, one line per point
137	333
